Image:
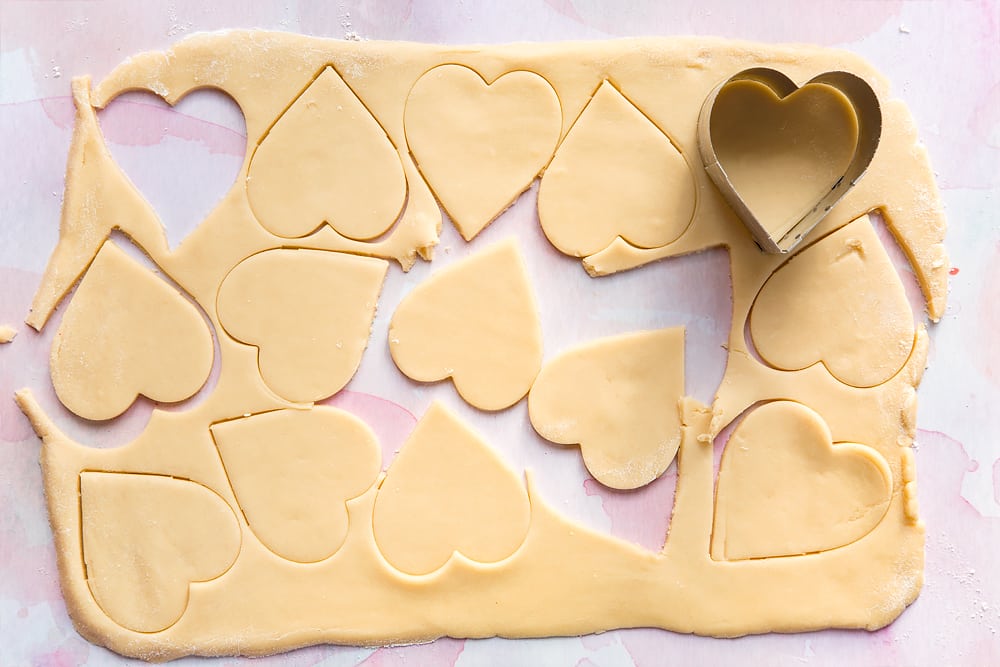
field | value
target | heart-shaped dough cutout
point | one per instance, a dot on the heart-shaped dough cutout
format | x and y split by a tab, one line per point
293	471
326	159
146	538
615	174
839	302
786	489
617	398
308	312
448	492
479	144
126	332
476	322
782	155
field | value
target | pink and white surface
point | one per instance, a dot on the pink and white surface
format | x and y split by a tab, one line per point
943	60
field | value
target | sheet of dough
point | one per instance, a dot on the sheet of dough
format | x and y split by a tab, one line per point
564	578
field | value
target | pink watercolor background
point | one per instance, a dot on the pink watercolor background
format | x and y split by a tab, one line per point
943	61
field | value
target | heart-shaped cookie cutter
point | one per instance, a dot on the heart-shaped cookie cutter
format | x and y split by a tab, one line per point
868	112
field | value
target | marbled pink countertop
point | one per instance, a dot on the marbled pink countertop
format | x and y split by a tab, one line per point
943	59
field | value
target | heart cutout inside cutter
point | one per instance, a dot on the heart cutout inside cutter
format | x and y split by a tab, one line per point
782	155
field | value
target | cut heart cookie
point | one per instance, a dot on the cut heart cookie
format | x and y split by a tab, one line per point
447	492
308	312
146	539
786	489
476	322
615	174
126	332
480	144
293	471
839	302
326	160
617	398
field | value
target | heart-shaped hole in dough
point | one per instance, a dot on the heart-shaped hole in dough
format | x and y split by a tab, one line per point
181	158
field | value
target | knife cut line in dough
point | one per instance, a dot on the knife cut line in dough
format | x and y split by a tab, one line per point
155	534
308	313
447	492
615	174
326	160
617	399
293	472
126	333
480	143
476	322
786	489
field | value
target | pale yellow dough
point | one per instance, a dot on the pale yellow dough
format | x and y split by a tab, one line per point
783	154
615	174
126	332
308	312
475	322
146	539
7	333
293	471
480	143
785	489
326	160
448	493
524	570
617	398
838	302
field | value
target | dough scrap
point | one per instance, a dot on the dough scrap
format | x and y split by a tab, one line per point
126	332
617	398
146	538
480	144
783	154
326	160
615	174
448	492
98	199
839	302
785	488
293	471
308	312
7	333
476	322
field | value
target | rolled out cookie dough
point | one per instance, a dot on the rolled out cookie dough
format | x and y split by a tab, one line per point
498	559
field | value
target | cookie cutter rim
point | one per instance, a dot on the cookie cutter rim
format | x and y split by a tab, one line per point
867	111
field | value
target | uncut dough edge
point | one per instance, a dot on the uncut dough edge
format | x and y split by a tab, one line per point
886	564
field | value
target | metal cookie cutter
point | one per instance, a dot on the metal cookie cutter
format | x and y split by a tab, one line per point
868	113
